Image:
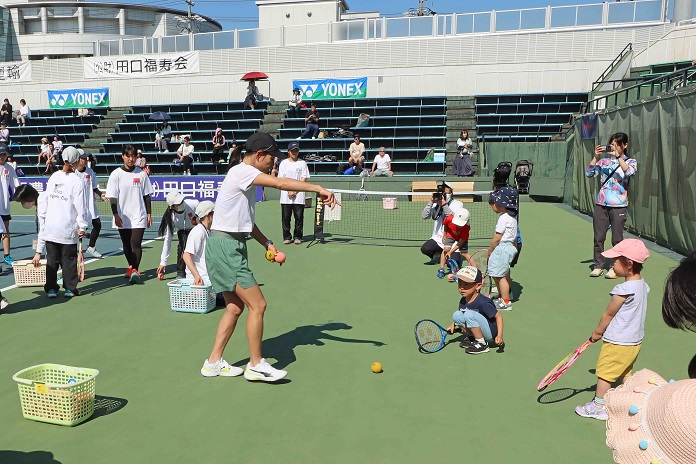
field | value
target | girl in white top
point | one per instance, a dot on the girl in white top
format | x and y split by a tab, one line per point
185	154
62	221
194	254
129	191
24	113
57	145
180	217
8	183
91	186
504	244
226	253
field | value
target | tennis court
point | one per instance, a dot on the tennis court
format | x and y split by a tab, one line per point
333	309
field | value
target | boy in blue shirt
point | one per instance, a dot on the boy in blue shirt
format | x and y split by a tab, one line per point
477	315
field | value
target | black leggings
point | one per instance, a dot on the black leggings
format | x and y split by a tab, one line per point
94	235
132	245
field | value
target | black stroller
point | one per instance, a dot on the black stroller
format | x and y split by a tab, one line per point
523	174
501	175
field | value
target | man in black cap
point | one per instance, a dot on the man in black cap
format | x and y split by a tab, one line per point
292	202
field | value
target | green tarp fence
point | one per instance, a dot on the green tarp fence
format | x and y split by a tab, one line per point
662	195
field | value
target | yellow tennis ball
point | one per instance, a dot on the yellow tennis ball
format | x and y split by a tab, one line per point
270	255
376	367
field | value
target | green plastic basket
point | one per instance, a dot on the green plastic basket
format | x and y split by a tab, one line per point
56	394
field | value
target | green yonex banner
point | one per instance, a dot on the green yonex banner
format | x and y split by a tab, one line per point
322	89
78	98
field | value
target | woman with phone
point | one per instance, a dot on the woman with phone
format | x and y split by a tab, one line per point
612	199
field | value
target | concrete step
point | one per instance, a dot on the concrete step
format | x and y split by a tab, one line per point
467	103
273	118
461	113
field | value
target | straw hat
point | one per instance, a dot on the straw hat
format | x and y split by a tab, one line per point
652	421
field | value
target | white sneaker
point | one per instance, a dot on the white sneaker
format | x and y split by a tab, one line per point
611	274
299	138
166	151
263	372
221	368
4	303
596	272
93	253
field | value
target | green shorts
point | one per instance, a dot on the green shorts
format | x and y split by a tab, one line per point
226	261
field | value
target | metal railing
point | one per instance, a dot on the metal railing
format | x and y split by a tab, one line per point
647	88
627	49
606	14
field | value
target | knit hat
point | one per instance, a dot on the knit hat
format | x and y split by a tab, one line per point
651	420
507	197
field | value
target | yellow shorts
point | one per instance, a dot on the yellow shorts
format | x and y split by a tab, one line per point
616	361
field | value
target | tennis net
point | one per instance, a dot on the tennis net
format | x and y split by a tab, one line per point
394	218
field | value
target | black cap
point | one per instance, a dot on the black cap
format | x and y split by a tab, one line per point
262	141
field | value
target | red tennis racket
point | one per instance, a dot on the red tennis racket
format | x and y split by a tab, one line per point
562	366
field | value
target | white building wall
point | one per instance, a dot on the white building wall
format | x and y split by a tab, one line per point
678	44
453	65
292	13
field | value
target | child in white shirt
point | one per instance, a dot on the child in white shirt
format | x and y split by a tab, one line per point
503	247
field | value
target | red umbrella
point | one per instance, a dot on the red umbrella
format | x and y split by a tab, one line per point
255	76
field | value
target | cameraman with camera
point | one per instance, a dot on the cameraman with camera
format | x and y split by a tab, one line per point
441	205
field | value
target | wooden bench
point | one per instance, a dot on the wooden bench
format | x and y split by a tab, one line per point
460	189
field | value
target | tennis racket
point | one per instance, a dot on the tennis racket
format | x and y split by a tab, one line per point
80	263
454	268
479	259
562	366
430	336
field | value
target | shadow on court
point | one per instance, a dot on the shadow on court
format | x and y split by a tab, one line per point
105	405
32	457
282	347
516	289
562	394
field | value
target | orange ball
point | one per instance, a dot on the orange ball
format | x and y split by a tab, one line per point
160	276
280	257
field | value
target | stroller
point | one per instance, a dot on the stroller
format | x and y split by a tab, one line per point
523	173
501	175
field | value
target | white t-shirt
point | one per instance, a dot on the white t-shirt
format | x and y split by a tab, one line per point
234	206
184	150
180	221
438	228
293	170
195	245
57	145
62	211
89	178
382	162
628	325
129	188
507	225
356	149
25	111
8	183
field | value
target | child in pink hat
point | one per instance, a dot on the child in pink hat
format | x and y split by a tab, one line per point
622	326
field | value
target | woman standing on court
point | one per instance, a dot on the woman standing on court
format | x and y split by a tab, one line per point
610	208
129	191
226	253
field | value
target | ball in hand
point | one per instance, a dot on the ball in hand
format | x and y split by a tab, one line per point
376	367
270	256
280	257
160	276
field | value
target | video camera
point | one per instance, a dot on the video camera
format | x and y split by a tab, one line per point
437	196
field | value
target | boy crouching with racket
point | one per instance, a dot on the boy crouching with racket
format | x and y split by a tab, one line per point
622	326
457	229
477	316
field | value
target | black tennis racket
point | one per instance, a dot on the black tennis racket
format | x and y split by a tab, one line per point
430	336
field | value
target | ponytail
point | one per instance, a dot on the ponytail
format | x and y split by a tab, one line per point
167	222
236	155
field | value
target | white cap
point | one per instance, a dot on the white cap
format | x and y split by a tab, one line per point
204	208
461	217
174	197
70	155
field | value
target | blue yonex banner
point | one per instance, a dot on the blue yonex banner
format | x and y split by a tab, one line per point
324	89
78	98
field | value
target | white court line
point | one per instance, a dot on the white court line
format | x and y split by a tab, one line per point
111	253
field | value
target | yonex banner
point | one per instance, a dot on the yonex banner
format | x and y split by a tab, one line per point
318	89
78	98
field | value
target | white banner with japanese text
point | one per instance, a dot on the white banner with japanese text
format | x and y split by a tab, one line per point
18	71
142	66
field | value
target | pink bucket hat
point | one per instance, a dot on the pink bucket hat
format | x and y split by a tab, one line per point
631	248
652	421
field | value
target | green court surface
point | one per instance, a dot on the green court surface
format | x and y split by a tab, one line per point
333	309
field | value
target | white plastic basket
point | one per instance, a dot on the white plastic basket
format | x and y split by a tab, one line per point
389	203
27	275
56	394
185	297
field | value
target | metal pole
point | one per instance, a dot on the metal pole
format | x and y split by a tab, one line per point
190	18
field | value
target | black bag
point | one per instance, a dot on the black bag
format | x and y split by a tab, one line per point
501	175
342	167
